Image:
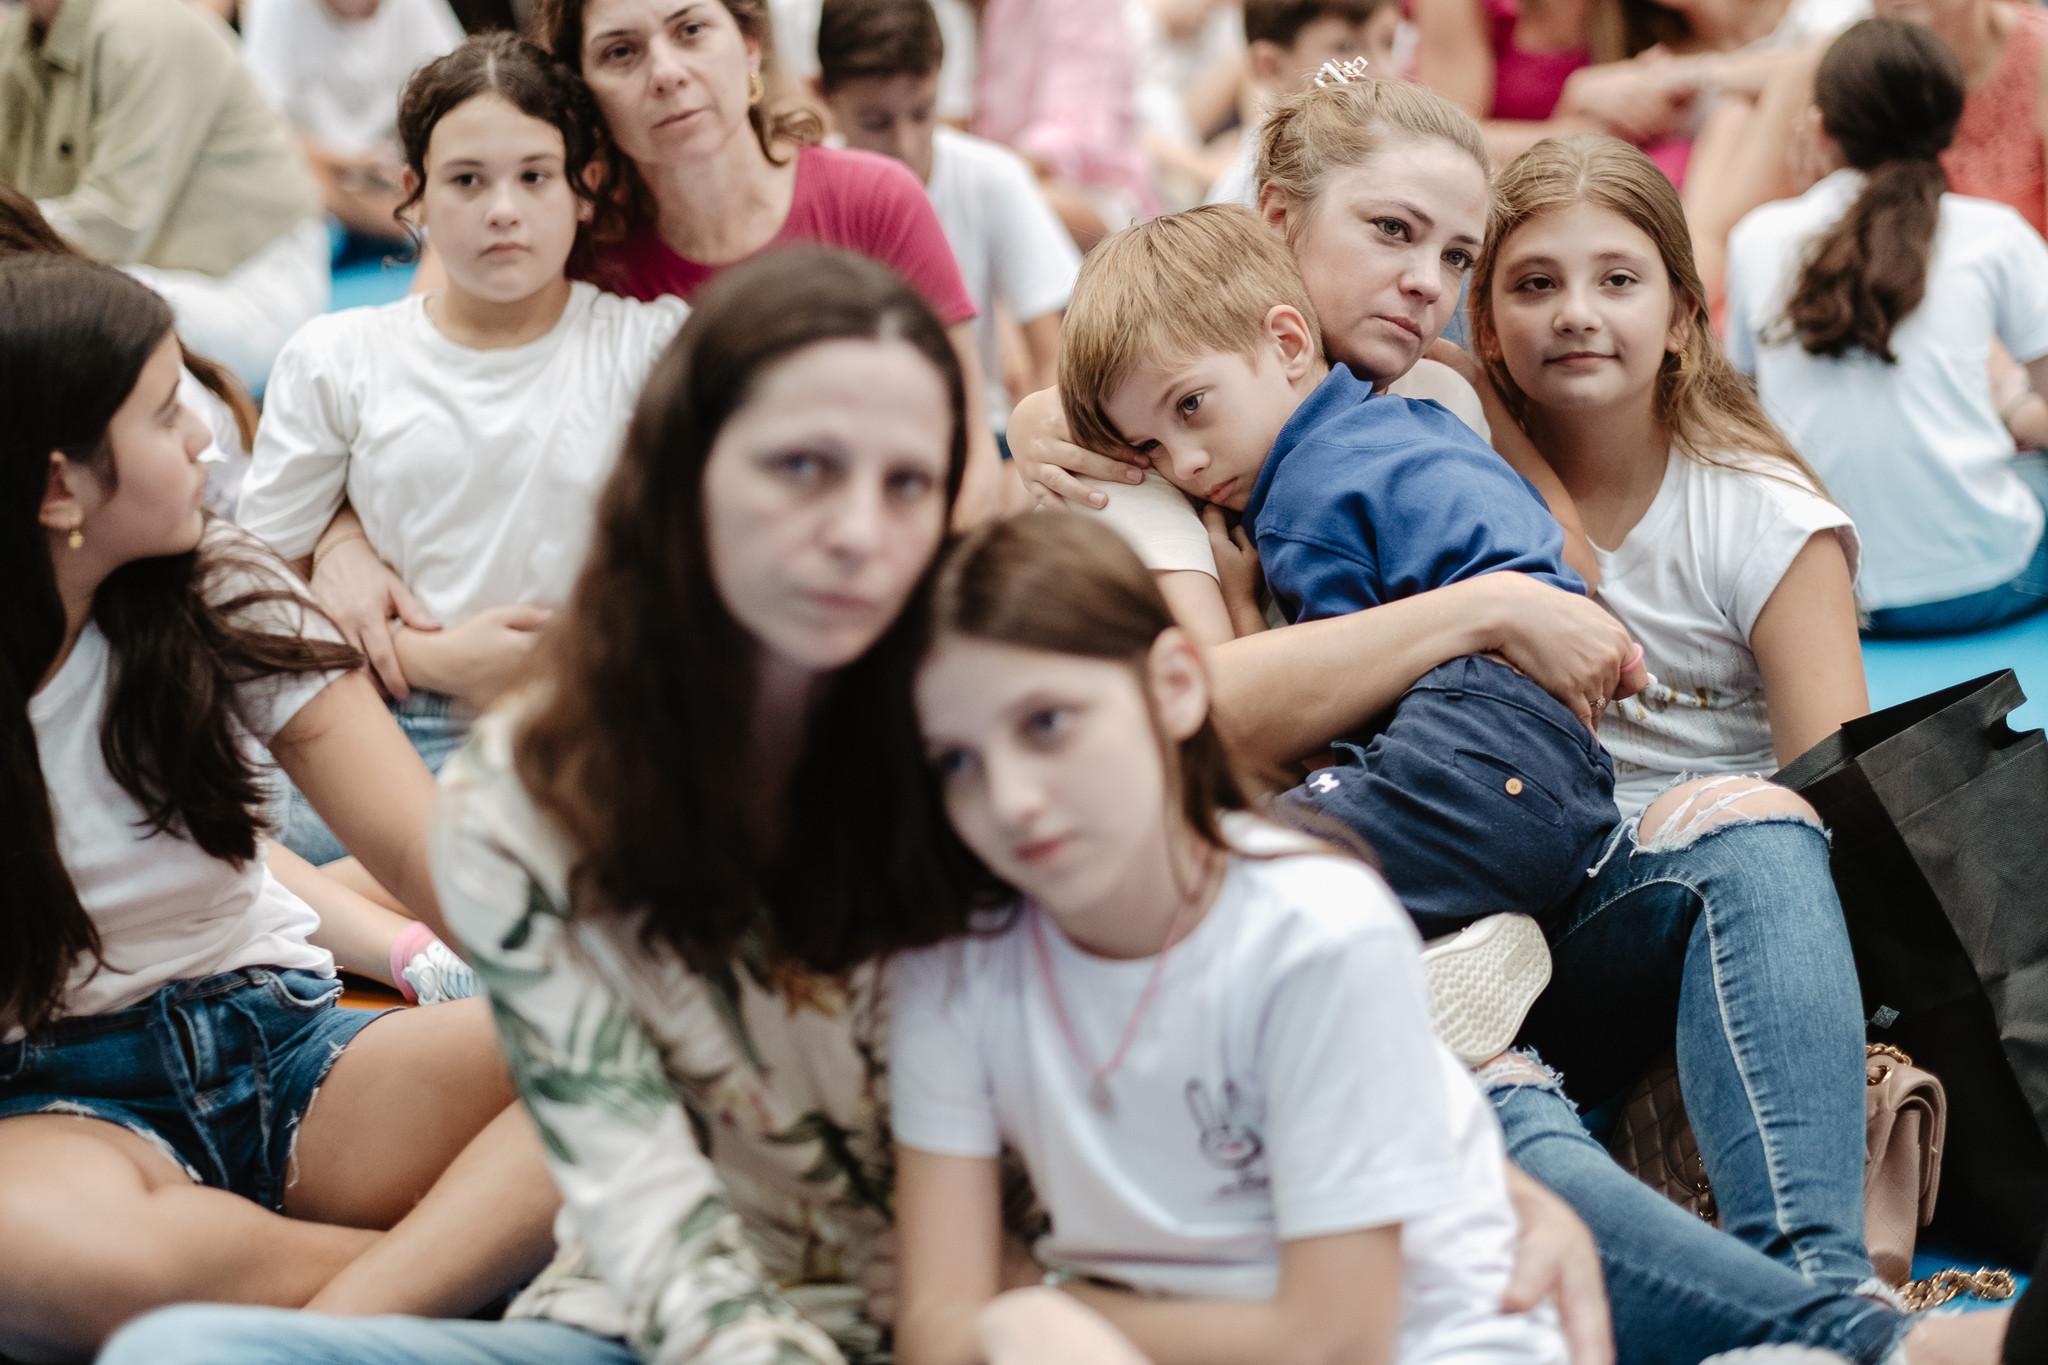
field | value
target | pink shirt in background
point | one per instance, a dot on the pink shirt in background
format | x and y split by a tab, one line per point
1526	85
1058	84
853	200
1997	153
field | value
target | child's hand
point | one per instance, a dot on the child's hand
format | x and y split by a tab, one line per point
477	660
879	1280
362	594
1237	570
1042	1326
1555	1258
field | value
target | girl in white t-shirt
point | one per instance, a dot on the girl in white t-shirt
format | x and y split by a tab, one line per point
1869	308
165	1017
1717	547
469	429
1206	1037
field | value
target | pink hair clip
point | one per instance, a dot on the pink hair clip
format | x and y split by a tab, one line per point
1342	73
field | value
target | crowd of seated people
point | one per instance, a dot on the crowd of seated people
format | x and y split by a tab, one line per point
912	709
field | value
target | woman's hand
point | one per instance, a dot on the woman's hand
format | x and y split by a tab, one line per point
477	660
1237	571
1636	100
1042	1326
362	594
1571	646
1047	458
1556	1258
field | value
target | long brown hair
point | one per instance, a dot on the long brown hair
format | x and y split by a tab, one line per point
636	745
1890	95
24	231
624	203
74	337
1702	400
1065	583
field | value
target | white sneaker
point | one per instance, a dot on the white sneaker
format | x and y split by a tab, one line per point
438	975
1482	981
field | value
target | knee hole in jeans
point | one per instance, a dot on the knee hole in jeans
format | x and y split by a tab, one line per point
1682	815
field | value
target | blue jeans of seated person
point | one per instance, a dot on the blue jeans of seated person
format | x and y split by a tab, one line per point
1482	795
213	1072
209	1334
429	721
1733	943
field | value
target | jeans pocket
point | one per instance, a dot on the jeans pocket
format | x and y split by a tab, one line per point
301	992
1509	784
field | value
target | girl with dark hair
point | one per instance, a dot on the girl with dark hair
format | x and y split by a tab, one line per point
165	1022
703	168
679	853
1868	309
1206	1037
467	430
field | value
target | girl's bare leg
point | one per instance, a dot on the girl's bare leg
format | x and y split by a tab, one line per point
98	1226
417	1129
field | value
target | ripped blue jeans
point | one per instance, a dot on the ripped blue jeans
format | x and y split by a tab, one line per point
214	1072
1731	940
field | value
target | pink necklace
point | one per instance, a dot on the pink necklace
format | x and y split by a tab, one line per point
1098	1076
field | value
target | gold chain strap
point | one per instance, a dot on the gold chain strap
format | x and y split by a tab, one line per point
1946	1285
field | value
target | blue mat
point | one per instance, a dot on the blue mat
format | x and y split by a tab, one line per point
1929	1258
365	282
1900	670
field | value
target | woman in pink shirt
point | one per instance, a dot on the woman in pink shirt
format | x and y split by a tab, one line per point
704	172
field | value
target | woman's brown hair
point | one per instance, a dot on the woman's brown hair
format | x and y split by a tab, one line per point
636	745
624	203
25	232
1702	400
184	631
1890	95
1065	583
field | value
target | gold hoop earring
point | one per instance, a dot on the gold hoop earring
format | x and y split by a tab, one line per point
76	540
757	89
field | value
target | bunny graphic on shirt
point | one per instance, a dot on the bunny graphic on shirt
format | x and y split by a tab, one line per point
1230	1137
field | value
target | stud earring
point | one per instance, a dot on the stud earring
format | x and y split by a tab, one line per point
757	89
76	540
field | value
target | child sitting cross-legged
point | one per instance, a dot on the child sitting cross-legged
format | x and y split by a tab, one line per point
1205	1036
1192	339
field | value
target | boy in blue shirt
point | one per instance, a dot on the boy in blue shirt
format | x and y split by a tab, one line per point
1192	339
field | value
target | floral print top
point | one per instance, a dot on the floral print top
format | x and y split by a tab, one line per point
720	1139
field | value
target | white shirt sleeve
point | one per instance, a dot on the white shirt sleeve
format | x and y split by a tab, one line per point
2021	290
299	474
1358	1126
241	567
1762	524
1034	257
940	1095
1157	521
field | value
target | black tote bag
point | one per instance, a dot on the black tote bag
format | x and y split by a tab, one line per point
1939	816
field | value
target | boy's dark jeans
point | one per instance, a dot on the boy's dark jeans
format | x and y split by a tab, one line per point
1482	795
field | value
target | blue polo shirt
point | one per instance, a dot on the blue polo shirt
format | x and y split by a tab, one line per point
1369	498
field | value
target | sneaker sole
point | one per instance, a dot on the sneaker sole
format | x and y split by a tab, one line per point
1482	982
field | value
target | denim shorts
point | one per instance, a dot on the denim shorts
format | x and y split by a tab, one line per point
1482	795
434	723
215	1072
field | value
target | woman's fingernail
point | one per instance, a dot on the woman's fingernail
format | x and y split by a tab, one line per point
1134	476
1098	499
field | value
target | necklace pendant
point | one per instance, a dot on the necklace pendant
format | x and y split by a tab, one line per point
1098	1094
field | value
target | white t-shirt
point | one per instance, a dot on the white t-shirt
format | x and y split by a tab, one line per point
1009	243
1915	451
1163	524
474	472
1689	581
166	910
338	80
1285	1083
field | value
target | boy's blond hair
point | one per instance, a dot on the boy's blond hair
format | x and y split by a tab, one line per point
1309	136
1181	286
